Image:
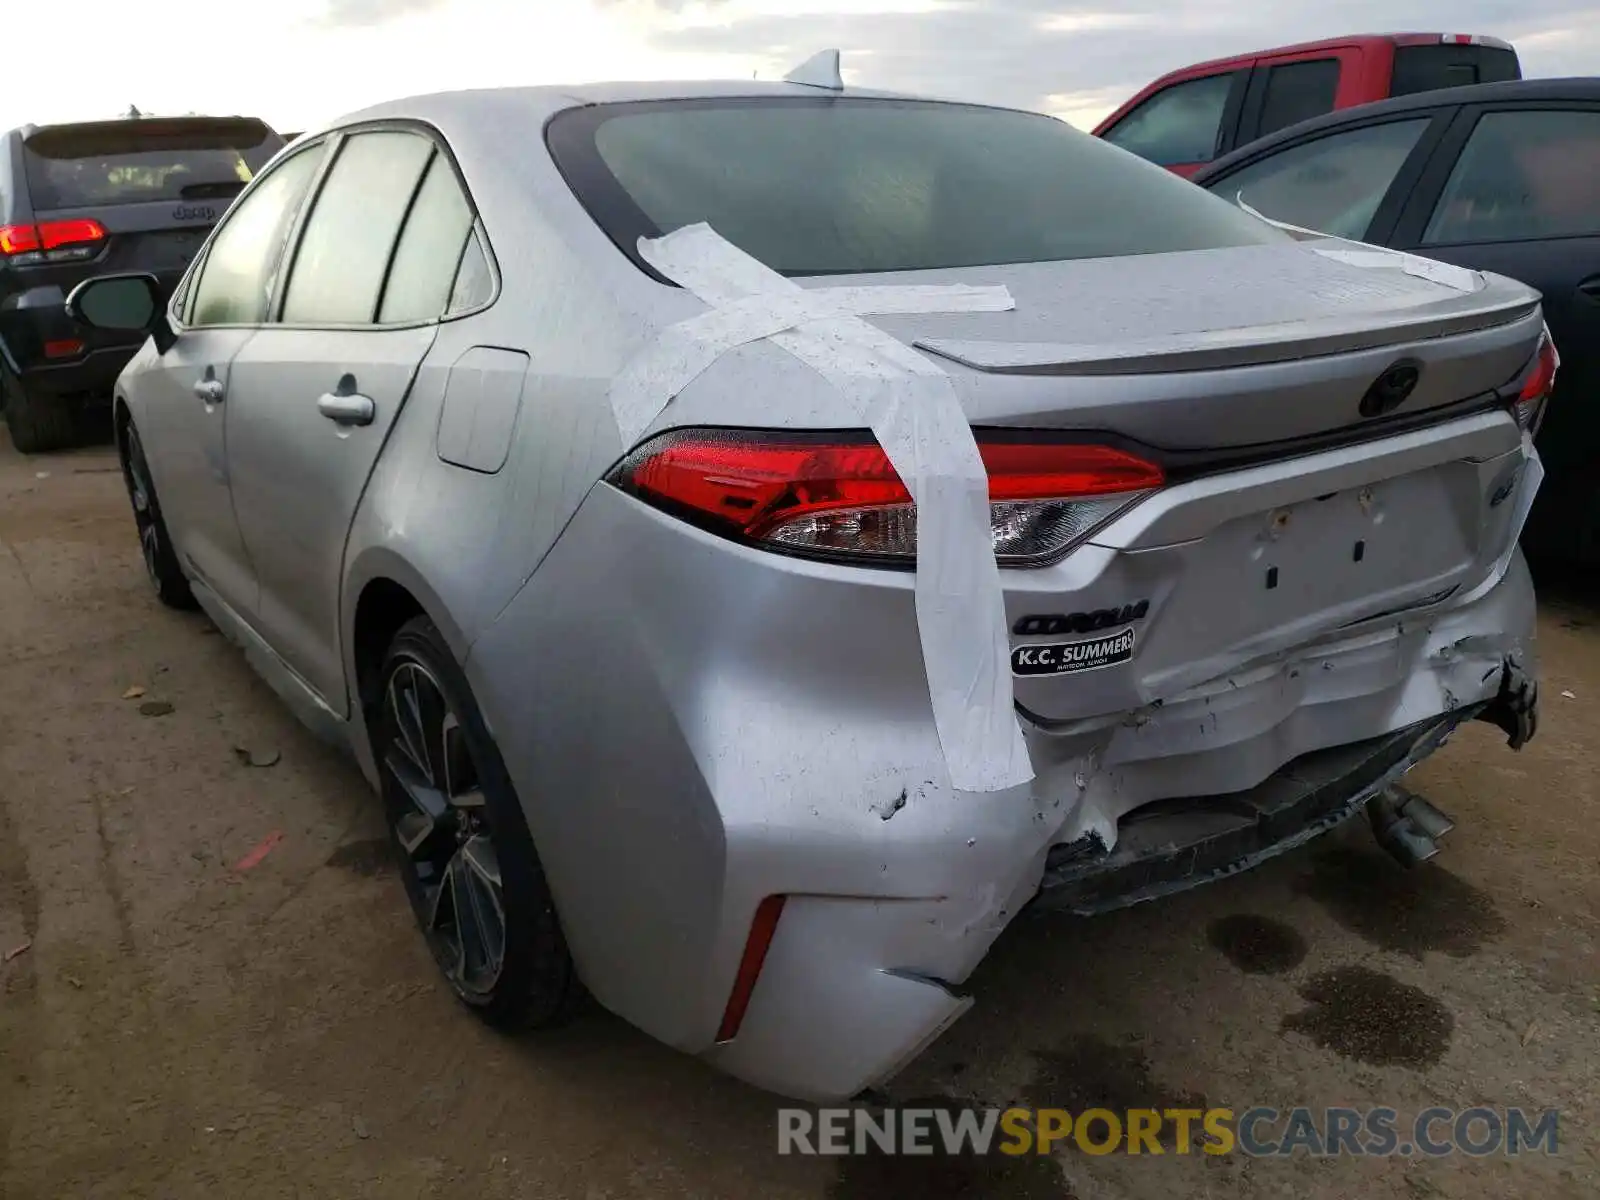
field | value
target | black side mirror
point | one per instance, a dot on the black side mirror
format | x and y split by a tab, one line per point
133	303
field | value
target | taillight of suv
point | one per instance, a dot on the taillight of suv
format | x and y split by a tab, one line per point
51	241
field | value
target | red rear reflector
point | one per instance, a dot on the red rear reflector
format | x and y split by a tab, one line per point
70	233
840	495
762	928
66	348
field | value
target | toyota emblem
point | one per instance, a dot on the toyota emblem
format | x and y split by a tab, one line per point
1391	389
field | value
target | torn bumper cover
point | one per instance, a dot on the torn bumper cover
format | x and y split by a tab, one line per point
1515	711
1168	847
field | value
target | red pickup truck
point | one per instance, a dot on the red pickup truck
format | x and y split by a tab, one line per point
1189	117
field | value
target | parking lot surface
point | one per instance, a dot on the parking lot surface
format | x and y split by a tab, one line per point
212	985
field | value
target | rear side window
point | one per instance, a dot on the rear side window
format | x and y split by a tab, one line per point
144	159
1427	68
1522	175
1180	124
1297	92
844	186
344	252
429	251
474	284
1332	185
236	280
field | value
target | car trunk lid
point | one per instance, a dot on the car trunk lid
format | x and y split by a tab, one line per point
1292	511
1117	344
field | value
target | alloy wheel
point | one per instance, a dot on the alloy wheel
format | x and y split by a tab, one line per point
137	475
442	826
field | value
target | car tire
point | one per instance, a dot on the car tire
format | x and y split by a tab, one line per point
464	849
155	544
38	424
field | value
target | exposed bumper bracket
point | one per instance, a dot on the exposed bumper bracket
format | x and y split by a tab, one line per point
1170	846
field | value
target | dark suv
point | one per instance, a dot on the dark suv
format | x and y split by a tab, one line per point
137	194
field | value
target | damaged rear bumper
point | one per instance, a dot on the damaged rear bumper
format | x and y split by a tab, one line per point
1168	846
791	755
1164	848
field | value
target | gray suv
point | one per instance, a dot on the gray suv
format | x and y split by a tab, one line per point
136	194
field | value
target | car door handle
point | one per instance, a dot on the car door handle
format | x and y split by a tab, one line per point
210	390
353	409
1590	287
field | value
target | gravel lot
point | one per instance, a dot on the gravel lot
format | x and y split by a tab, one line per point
191	1018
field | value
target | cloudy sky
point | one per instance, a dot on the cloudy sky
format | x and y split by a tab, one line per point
299	62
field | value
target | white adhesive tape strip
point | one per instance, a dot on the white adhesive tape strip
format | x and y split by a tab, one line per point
912	409
683	351
1458	278
1376	257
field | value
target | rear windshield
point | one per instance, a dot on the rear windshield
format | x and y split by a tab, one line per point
836	186
1429	68
140	159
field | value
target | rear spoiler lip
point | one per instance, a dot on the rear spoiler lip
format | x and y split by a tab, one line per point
118	124
1257	346
244	128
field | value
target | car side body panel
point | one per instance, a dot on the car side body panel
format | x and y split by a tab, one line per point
419	524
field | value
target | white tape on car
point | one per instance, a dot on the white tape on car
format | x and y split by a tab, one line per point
683	351
912	409
1376	257
1450	276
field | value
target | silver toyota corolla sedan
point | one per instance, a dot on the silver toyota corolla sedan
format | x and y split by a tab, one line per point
567	455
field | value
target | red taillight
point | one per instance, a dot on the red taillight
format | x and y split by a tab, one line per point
762	928
839	495
18	239
51	241
63	348
1536	389
53	234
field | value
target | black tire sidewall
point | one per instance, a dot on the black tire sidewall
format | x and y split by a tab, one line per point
538	985
169	581
38	424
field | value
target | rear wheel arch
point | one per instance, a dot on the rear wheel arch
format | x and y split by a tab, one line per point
381	611
386	592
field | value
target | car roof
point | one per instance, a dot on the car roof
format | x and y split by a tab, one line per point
1578	88
547	100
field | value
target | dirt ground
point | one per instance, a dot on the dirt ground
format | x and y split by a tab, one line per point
222	993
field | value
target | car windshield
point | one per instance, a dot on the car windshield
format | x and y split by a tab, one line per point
838	186
141	159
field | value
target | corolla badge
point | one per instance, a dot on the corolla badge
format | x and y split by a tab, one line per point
1391	389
